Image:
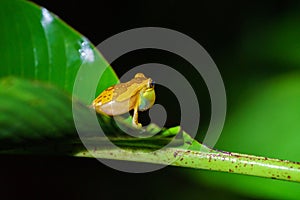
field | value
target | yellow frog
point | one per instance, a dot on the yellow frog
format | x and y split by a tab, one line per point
137	94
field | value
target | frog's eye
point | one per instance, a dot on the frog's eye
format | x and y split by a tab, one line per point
151	84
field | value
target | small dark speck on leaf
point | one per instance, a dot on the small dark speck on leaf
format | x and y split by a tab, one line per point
175	154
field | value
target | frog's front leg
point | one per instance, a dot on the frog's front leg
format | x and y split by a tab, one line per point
135	120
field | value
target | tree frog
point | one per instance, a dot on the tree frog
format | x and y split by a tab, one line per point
137	94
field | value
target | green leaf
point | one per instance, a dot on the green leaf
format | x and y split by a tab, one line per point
33	112
36	44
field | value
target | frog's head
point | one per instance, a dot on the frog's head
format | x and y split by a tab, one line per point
147	84
149	87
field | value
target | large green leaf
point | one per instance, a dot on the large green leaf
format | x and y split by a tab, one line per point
38	114
36	44
34	113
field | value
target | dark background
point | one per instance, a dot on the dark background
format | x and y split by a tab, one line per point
218	26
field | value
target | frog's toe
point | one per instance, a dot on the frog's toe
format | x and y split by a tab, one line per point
137	125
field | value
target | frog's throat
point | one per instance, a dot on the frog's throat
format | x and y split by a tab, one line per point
147	99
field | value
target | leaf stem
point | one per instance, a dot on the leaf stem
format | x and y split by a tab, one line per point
214	160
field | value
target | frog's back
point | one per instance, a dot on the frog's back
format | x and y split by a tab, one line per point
125	91
122	91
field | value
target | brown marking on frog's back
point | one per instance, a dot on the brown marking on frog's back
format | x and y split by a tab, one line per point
130	88
105	97
123	91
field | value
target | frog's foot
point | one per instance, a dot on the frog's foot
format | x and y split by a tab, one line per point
136	125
